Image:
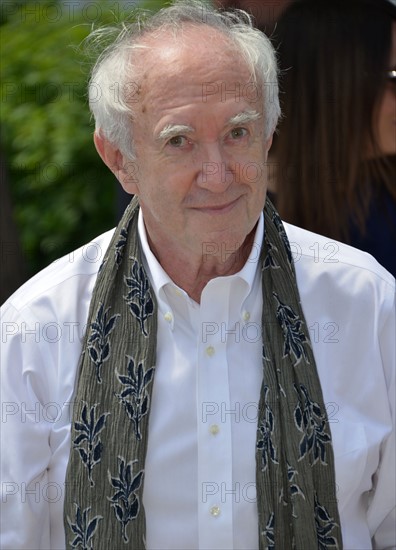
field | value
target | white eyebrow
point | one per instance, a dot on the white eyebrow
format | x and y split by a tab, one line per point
172	130
244	118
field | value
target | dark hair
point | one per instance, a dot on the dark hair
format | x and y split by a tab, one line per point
333	58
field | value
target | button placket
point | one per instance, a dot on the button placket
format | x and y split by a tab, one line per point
215	444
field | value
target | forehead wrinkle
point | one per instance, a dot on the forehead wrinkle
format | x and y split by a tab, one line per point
172	130
244	117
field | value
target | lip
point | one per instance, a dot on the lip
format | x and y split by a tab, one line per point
218	209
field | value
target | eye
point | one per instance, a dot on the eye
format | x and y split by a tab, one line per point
178	141
238	133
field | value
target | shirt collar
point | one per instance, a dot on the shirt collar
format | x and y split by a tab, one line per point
158	277
249	270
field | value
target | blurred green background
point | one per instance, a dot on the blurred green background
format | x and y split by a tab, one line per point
59	193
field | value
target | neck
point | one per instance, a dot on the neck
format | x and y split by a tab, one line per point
192	273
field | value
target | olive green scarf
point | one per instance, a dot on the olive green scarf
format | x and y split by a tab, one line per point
295	478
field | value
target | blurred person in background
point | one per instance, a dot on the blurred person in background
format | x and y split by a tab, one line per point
265	12
334	155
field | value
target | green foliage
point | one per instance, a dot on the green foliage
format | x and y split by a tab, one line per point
63	194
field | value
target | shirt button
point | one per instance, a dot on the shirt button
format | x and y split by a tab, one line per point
215	511
168	316
246	316
210	351
214	429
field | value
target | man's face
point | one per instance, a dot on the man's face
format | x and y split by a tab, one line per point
200	147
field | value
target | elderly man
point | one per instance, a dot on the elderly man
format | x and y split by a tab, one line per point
220	380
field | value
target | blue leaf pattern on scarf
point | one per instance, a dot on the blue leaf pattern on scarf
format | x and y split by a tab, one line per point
264	440
83	528
120	245
125	500
88	443
311	421
270	260
269	532
294	488
134	396
324	526
291	325
139	298
98	345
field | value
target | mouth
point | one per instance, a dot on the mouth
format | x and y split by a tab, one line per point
218	209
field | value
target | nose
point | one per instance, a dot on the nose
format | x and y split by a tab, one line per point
214	171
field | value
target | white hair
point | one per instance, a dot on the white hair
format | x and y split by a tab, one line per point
114	83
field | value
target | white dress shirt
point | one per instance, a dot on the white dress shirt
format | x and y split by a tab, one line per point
200	467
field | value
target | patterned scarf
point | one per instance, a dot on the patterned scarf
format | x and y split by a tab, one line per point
295	480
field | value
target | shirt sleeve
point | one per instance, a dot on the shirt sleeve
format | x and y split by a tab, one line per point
42	328
382	510
34	430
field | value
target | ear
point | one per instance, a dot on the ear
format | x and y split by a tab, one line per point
268	143
123	169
